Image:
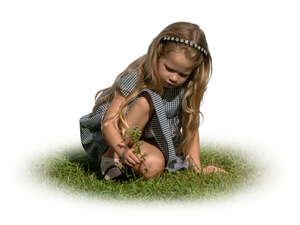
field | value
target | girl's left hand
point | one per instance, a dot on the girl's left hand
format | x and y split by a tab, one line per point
213	169
195	165
197	169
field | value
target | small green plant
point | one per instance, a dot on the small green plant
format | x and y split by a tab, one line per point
134	134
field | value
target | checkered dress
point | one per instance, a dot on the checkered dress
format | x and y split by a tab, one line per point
164	126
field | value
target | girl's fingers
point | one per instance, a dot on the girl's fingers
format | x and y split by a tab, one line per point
135	158
210	169
196	170
130	162
224	171
220	170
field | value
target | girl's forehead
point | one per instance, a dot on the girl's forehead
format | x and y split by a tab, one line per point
177	60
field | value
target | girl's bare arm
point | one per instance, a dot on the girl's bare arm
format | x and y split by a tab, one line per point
194	153
109	130
194	158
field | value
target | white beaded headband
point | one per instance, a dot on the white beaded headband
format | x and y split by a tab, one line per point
187	42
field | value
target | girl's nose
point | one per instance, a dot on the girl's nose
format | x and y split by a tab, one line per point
173	78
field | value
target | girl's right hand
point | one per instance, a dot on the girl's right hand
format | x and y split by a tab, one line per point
130	158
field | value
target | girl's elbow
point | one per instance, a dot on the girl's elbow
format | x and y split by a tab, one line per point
104	126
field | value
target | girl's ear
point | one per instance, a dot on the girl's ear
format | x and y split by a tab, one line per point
186	83
190	77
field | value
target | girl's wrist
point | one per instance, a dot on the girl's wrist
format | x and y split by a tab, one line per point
120	149
193	162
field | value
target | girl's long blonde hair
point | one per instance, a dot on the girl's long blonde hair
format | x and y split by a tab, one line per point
147	66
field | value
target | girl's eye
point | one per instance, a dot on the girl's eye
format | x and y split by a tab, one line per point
181	74
168	69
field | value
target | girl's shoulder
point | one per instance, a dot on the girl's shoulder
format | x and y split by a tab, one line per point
128	77
127	82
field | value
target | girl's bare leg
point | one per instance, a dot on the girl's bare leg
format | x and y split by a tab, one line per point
154	162
111	153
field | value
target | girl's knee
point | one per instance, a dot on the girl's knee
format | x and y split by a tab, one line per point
152	167
140	113
144	103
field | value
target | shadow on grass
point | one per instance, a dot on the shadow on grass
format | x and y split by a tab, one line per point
78	156
74	170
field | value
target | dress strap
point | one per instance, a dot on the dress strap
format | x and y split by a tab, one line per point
162	133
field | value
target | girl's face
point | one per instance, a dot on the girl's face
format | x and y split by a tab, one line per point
174	69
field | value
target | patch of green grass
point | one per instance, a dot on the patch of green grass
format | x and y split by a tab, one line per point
73	170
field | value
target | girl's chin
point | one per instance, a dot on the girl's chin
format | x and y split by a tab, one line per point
168	86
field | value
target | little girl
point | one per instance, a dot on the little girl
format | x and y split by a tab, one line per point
160	93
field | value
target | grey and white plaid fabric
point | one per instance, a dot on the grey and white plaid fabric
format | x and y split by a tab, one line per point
164	126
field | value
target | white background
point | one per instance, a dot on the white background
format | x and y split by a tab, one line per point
55	55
